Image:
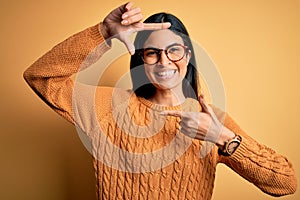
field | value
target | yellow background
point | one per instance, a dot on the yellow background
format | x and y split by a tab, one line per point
255	44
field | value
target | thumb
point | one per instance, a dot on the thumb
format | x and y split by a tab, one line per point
206	108
203	103
129	45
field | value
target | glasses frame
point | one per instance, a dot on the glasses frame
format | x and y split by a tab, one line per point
186	49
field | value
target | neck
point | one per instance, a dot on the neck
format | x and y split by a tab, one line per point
168	97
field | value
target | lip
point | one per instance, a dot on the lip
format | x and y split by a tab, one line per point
165	74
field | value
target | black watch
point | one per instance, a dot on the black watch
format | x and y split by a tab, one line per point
231	145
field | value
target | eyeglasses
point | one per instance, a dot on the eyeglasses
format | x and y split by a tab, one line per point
174	53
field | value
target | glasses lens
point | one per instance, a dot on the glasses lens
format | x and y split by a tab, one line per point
151	56
175	52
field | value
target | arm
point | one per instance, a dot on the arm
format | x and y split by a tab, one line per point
50	75
260	165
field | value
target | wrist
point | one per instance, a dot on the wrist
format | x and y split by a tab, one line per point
103	30
105	33
228	144
225	135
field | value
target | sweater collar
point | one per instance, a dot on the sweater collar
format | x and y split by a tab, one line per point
188	103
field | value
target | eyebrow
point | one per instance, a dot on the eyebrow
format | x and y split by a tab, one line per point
151	47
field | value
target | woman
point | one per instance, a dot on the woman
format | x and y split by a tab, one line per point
146	141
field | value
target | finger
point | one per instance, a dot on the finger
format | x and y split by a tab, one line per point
128	5
129	45
174	113
203	103
131	12
201	99
189	132
201	96
184	127
125	7
138	25
155	26
132	19
206	108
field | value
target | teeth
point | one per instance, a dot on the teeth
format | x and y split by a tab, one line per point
166	73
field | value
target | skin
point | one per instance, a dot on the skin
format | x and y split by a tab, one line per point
168	88
125	20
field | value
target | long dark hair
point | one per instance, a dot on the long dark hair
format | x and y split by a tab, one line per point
141	84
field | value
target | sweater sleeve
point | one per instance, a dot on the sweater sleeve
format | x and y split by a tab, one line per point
259	164
50	75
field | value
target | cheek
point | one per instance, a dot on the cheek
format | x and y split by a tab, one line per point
182	66
148	73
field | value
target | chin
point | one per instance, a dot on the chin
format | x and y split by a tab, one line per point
167	86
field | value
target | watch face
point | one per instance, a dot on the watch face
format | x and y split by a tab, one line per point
232	146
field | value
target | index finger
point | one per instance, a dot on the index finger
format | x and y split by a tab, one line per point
154	26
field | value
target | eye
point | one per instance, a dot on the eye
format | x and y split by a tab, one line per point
174	49
150	53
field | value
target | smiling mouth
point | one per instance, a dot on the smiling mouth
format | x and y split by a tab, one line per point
166	74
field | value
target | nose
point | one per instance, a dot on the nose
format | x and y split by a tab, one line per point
164	60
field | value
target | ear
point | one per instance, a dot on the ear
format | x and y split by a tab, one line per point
188	56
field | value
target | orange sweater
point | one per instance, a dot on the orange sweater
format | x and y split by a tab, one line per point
137	153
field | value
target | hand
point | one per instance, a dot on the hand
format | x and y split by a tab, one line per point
125	20
203	125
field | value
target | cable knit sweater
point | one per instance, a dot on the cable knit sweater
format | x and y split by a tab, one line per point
137	153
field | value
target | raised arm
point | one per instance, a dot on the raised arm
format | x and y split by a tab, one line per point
50	75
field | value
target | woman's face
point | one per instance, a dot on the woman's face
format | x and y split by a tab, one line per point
165	74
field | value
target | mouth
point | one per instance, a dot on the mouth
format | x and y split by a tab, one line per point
167	74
